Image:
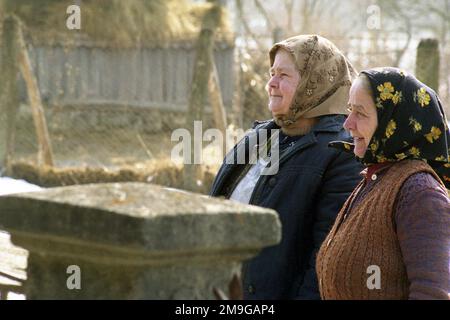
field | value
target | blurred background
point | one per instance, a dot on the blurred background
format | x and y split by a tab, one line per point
100	103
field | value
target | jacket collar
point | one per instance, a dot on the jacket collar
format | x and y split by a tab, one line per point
327	123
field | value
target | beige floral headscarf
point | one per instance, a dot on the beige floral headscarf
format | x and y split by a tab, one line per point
325	78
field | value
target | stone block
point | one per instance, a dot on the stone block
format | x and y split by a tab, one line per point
133	240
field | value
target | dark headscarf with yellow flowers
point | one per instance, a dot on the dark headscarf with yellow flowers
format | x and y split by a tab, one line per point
411	122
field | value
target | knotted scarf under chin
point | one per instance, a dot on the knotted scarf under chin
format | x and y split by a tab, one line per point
300	126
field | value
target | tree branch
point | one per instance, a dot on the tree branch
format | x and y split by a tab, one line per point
244	22
264	13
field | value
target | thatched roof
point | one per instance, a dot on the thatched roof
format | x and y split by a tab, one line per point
115	23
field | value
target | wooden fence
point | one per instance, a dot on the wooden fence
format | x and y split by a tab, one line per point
146	77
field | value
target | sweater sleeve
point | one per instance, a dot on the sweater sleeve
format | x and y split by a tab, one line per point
422	218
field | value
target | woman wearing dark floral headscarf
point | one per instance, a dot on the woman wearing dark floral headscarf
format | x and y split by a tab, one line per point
391	239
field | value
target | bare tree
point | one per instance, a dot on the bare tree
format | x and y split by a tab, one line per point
269	23
244	21
407	17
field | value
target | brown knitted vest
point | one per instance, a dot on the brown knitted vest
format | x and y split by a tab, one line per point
364	237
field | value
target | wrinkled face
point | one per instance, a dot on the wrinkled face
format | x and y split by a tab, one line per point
363	120
284	79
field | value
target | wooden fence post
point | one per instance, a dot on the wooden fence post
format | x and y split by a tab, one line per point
215	97
45	153
202	70
14	59
427	63
9	102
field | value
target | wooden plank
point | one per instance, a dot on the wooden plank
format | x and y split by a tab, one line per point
156	76
182	76
45	154
42	69
133	74
108	75
99	59
83	76
9	103
215	98
77	72
88	72
146	88
167	72
191	62
94	88
174	65
139	76
190	72
58	73
119	69
70	69
125	75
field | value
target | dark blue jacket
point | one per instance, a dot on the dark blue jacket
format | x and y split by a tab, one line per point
308	191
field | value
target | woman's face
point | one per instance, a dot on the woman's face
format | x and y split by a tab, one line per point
362	121
284	79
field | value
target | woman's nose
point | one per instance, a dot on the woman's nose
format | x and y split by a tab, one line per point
273	82
349	123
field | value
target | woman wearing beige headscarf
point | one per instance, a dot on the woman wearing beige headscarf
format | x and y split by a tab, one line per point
308	94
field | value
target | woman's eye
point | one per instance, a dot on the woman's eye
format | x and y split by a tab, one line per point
360	114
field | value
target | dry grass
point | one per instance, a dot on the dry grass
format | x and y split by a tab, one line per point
116	22
82	156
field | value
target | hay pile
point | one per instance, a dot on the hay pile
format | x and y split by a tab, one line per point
116	22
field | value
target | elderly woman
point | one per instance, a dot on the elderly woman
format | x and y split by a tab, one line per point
308	93
391	239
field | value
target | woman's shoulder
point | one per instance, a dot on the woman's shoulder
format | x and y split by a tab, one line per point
412	169
422	220
420	181
421	188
